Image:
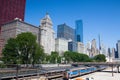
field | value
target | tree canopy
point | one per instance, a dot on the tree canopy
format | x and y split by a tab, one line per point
76	57
100	58
10	52
23	49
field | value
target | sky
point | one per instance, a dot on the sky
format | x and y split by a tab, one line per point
99	17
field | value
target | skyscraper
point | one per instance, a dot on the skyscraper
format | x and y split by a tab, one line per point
66	32
99	43
93	48
10	9
118	48
116	52
79	31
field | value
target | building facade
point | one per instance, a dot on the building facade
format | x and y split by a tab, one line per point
66	32
118	48
113	53
10	9
15	27
80	47
44	33
79	31
93	48
61	45
47	39
88	48
72	46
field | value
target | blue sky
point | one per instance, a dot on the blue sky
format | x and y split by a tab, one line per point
99	16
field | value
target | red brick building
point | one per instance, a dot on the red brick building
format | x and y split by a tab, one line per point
10	9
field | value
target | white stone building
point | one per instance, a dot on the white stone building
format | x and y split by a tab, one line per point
13	28
44	33
47	39
88	48
61	45
93	48
80	47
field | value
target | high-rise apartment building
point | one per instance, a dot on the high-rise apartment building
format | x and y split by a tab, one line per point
79	31
10	9
66	32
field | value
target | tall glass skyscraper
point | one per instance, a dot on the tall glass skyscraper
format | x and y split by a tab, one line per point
66	32
79	31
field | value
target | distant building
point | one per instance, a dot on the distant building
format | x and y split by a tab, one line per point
72	46
109	52
116	54
79	31
103	50
66	32
80	47
93	48
113	53
47	39
61	45
118	48
111	57
10	9
88	48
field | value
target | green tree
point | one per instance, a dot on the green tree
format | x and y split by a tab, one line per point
10	52
59	59
23	49
39	54
47	58
76	57
27	46
54	57
67	56
100	58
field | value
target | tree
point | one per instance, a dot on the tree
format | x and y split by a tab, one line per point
100	58
23	49
27	45
47	58
59	59
10	52
39	54
67	56
54	57
76	57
